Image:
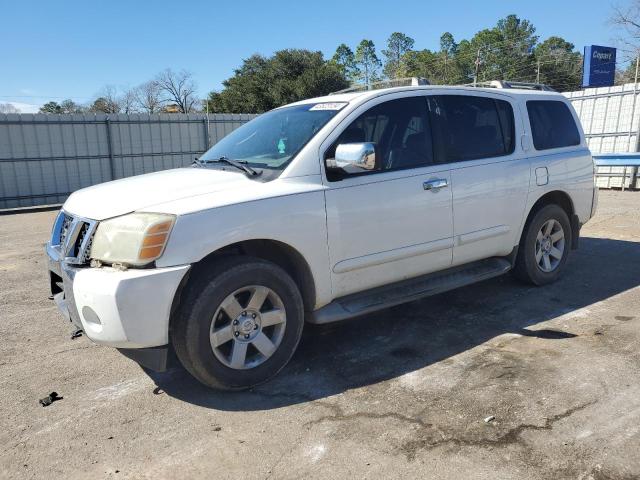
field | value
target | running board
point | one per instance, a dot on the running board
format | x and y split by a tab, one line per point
408	290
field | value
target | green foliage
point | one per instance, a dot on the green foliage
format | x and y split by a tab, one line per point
261	83
507	51
398	45
443	67
345	60
559	65
367	62
51	107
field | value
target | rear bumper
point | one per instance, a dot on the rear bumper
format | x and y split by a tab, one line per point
123	309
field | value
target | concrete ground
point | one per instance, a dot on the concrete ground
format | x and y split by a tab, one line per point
403	393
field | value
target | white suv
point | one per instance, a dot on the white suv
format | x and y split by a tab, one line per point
318	211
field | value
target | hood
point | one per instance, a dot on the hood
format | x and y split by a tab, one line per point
123	196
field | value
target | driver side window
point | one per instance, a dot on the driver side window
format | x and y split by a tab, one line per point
400	130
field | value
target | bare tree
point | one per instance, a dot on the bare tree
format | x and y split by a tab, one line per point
128	101
8	108
148	97
178	88
107	101
628	19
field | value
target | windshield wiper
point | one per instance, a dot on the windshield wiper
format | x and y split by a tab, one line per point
240	165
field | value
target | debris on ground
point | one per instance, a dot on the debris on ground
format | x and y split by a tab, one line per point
489	419
49	399
77	333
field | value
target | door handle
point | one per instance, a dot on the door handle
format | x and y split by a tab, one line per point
435	185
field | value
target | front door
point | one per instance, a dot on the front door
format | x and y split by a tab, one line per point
395	222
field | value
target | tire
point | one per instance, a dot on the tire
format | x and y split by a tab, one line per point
211	348
531	265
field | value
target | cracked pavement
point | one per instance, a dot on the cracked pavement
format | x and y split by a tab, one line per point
400	394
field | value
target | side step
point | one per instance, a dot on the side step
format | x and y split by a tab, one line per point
408	290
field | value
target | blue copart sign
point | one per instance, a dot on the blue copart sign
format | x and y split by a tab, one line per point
599	68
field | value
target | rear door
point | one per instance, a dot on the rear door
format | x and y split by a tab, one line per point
478	139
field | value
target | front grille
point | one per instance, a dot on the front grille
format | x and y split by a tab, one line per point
73	236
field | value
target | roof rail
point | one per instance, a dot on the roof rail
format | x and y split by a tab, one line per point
396	82
510	84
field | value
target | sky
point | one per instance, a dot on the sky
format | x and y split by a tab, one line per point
52	50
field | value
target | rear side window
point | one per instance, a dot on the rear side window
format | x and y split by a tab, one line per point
473	127
552	124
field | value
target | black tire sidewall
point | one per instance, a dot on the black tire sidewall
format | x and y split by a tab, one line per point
531	268
197	317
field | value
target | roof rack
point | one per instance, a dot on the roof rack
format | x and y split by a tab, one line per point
396	82
510	84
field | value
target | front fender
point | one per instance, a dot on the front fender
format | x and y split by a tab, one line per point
297	220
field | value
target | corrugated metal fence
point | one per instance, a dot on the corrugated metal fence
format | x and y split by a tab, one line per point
610	117
43	158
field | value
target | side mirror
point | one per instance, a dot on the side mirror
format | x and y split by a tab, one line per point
354	157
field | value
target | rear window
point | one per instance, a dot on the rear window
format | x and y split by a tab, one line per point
552	124
473	127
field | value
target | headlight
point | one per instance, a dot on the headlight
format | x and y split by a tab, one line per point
134	239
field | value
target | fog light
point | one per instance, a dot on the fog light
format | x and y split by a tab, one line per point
91	316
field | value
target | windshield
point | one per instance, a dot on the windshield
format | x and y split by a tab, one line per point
274	138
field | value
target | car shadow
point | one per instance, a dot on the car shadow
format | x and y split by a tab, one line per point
338	357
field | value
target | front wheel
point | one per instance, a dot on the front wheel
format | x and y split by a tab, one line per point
544	246
239	323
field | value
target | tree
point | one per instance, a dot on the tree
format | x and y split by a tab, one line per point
442	67
447	54
8	108
69	106
345	60
422	63
51	107
148	97
628	75
107	101
398	45
367	62
558	65
261	83
628	21
127	101
247	91
504	52
178	88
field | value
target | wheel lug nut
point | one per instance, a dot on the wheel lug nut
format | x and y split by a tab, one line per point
244	314
253	316
235	322
255	327
237	333
246	335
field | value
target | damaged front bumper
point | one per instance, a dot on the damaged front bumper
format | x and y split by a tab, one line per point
128	310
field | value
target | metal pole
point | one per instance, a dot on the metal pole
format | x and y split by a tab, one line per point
112	168
633	108
208	138
538	72
475	77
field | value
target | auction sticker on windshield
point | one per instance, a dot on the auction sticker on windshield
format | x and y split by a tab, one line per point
328	106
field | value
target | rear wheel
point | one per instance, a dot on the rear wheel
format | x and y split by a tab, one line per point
544	247
239	323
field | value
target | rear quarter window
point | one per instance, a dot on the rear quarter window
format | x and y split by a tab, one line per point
552	125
